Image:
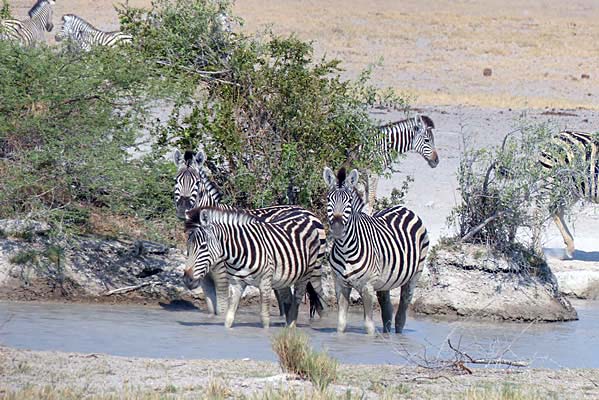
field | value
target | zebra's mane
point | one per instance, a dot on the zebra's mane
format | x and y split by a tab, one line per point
217	215
341	175
413	119
37	7
83	22
188	157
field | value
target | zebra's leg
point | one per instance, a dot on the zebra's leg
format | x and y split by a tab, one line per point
343	293
299	291
236	288
407	291
367	294
384	298
285	300
558	218
209	293
373	180
221	287
265	287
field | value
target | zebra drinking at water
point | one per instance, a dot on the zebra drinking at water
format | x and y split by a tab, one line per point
273	254
412	134
84	35
570	150
372	253
29	31
193	189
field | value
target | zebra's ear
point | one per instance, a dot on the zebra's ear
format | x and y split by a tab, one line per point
204	217
200	157
177	158
352	179
329	177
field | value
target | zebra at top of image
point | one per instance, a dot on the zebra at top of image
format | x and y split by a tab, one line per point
84	35
30	31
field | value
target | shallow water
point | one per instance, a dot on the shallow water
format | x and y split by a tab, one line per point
188	333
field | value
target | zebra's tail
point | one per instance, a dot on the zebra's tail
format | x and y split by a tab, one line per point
316	303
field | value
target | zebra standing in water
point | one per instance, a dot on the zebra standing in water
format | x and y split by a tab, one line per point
85	35
568	150
30	31
372	253
193	189
271	254
412	134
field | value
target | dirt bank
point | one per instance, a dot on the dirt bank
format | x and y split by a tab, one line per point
27	372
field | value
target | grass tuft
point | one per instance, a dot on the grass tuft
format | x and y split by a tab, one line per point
297	357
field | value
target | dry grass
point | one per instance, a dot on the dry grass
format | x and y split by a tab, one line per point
502	392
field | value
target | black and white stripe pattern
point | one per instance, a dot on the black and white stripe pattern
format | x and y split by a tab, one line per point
269	255
85	35
572	156
29	31
193	188
413	134
372	253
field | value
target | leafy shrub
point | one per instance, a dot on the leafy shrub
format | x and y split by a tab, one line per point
5	10
504	189
297	357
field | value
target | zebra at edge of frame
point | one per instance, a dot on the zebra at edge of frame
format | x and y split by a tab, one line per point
194	189
84	35
270	255
413	134
571	149
30	31
372	253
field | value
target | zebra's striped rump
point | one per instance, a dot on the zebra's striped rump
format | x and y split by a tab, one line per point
29	31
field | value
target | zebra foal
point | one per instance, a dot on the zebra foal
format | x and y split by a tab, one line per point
85	35
571	150
193	189
30	31
413	134
268	255
372	253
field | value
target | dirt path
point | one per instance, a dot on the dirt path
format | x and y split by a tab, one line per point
71	375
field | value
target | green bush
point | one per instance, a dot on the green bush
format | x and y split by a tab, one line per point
297	357
5	11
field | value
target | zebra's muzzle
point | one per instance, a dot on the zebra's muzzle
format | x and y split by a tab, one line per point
434	160
337	228
188	280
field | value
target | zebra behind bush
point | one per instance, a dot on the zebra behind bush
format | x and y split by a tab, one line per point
84	35
572	158
29	31
372	253
412	134
194	189
273	254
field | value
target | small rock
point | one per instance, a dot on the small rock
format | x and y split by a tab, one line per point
487	72
585	76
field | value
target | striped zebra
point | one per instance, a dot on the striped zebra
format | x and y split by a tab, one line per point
29	31
85	35
572	158
273	254
193	189
372	253
412	134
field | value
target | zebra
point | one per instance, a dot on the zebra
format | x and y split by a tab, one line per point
372	253
412	134
571	150
273	254
29	31
193	189
85	35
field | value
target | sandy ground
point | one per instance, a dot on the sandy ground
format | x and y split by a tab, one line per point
27	372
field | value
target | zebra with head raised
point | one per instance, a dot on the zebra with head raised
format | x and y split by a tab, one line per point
85	35
273	254
29	31
193	188
412	134
571	158
372	253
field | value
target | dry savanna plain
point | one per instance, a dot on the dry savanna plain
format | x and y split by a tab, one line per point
544	61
